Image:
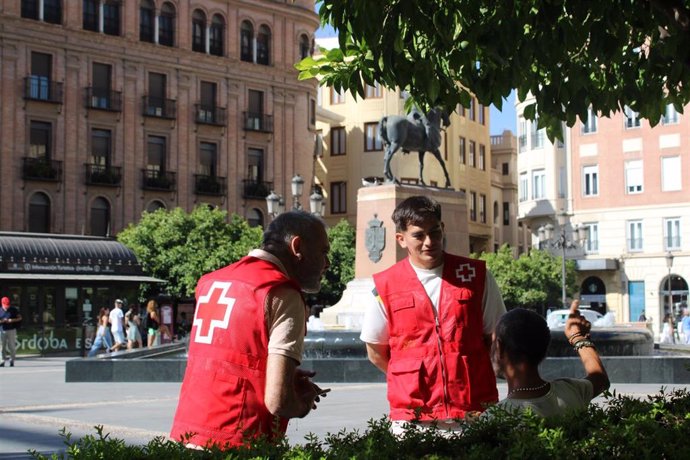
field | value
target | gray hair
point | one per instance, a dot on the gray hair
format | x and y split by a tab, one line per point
287	225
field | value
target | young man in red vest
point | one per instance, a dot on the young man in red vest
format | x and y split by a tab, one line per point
242	378
429	324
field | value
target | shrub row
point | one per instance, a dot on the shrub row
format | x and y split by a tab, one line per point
624	427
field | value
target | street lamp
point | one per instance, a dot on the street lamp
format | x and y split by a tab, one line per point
561	241
669	265
316	203
275	203
297	188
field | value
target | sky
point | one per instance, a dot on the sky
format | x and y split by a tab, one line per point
499	121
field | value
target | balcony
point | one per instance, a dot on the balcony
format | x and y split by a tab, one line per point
103	99
38	88
258	122
110	176
209	185
153	179
209	115
41	168
256	189
159	108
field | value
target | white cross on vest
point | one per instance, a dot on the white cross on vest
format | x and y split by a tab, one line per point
465	273
212	312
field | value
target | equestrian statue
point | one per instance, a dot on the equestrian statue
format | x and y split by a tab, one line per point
416	132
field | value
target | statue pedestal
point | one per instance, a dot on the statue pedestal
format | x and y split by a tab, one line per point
377	249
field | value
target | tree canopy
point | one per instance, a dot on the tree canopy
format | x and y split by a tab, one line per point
533	280
570	55
179	247
342	259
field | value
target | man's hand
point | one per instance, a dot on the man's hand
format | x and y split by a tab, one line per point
576	327
308	392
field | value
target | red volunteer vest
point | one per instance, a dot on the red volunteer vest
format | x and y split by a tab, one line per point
222	396
437	369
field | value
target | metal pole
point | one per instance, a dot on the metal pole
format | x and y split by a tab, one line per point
670	297
563	269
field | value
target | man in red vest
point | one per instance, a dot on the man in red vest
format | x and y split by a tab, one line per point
429	324
242	378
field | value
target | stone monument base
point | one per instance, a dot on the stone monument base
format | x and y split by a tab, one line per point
348	313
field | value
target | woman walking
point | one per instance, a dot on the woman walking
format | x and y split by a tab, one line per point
152	324
102	333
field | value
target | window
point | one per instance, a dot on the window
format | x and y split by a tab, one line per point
482	118
208	159
155	159
338	197
39	213
312	112
634	235
217	35
43	10
255	110
632	118
155	205
506	213
592	243
40	142
166	25
304	46
90	15
372	142
100	217
471	110
670	116
670	174
147	22
199	31
672	233
590	124
505	169
538	184
101	148
472	158
590	180
482	208
111	18
156	97
462	157
522	135
373	92
207	105
255	165
338	137
537	134
524	185
562	181
473	206
263	45
482	157
495	211
41	71
247	42
101	97
633	176
337	97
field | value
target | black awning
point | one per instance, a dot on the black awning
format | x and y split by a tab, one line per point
38	253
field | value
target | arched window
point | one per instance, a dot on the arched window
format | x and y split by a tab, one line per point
155	205
247	42
100	217
263	45
217	35
304	46
255	218
166	25
39	213
147	23
199	31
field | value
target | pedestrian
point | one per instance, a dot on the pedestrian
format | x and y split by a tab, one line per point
685	326
103	338
242	378
117	326
519	345
153	337
429	322
667	330
10	319
133	335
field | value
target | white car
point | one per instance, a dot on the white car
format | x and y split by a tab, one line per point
557	318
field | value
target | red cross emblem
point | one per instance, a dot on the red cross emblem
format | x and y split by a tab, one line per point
212	311
465	273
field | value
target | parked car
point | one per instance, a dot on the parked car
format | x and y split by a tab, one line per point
557	318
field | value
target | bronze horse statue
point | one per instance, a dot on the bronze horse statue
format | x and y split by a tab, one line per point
416	132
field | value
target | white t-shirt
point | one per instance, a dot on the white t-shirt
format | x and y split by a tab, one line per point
563	396
375	323
116	316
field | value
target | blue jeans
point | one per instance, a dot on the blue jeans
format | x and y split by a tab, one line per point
99	342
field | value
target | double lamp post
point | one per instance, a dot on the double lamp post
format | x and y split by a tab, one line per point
276	204
578	237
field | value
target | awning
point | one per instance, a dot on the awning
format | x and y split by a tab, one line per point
91	278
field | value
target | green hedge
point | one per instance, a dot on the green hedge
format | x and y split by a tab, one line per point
623	428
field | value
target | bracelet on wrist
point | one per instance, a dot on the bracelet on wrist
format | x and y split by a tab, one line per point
585	343
577	334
